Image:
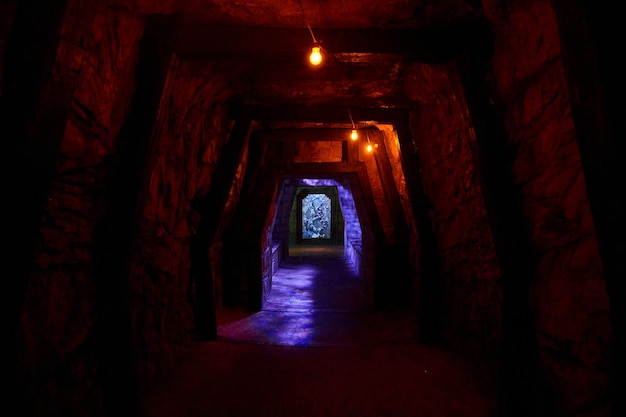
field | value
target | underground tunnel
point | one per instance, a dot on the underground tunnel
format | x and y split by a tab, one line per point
161	152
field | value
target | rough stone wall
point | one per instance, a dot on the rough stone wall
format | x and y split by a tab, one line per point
267	245
58	347
466	255
352	228
569	298
281	229
190	132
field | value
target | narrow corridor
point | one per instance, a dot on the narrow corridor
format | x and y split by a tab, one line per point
316	300
315	350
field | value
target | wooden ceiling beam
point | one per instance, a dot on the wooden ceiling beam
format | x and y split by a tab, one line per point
325	169
343	102
309	134
436	44
266	115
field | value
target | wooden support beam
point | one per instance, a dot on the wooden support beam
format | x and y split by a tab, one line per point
237	242
311	134
511	237
211	205
430	303
325	169
345	99
392	195
278	113
209	209
370	205
435	45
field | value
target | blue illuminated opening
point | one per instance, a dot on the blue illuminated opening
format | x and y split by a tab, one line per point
316	217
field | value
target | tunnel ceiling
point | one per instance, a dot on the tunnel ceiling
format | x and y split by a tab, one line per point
324	13
368	46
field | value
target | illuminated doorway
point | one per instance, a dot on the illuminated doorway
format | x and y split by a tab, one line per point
317	217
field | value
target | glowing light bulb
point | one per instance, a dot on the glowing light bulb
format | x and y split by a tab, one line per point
354	135
369	147
316	55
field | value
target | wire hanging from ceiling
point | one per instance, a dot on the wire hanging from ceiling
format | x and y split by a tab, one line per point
315	57
369	144
354	135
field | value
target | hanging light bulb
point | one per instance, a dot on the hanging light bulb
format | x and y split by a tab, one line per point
354	135
369	147
315	57
316	54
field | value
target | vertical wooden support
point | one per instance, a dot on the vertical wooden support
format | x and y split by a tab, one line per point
126	188
431	285
396	256
210	208
518	362
242	252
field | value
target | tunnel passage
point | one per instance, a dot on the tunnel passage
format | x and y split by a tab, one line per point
283	162
344	230
321	292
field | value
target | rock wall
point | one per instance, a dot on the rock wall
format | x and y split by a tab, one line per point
569	298
59	361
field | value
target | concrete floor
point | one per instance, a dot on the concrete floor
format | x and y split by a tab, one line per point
317	350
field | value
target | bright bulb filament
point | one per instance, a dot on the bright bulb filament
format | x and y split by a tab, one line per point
354	135
316	55
369	147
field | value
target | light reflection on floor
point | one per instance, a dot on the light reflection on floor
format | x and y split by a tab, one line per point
317	300
285	329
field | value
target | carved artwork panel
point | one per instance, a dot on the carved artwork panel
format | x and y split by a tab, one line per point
316	217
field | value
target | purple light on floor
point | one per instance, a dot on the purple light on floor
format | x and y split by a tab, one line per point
293	297
294	292
290	329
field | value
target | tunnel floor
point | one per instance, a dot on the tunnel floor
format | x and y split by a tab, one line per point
317	350
317	300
